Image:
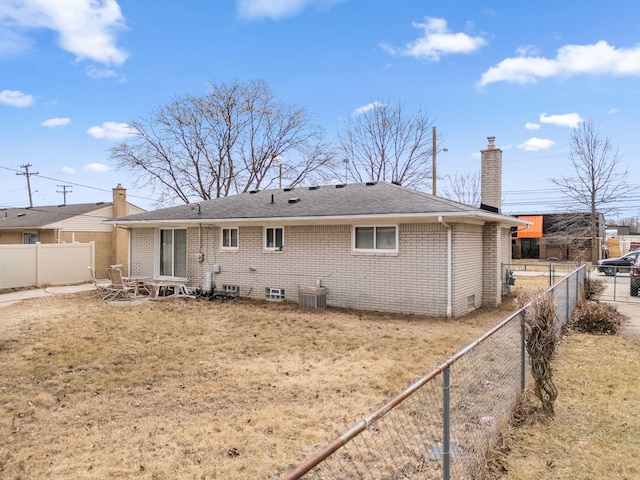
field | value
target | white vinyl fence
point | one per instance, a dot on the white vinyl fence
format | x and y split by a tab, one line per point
45	264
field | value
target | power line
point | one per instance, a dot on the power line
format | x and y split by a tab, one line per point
77	184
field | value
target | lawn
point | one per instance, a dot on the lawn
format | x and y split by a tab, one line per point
193	389
595	433
207	390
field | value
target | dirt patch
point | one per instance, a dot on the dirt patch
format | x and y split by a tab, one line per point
197	389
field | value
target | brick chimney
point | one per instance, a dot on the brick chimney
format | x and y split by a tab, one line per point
491	177
119	201
120	236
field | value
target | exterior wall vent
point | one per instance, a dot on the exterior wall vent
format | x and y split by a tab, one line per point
274	294
294	200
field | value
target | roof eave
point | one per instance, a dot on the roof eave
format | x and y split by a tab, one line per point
479	217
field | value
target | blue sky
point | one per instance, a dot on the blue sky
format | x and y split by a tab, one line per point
73	77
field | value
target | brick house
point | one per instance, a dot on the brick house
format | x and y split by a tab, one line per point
563	236
81	223
374	246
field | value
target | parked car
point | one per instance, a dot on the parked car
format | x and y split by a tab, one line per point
634	278
611	266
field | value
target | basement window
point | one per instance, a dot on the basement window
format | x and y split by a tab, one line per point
375	239
274	293
231	289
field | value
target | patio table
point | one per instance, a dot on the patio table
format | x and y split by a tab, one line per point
180	289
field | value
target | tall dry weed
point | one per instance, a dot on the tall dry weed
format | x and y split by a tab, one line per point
541	340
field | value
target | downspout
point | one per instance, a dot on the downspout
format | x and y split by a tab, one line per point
448	227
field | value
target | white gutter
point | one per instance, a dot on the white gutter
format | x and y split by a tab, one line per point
470	217
448	227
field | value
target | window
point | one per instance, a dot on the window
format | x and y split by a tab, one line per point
375	238
173	253
271	293
30	238
230	238
274	238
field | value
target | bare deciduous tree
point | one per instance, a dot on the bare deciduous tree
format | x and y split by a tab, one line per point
236	138
632	222
463	188
596	182
385	143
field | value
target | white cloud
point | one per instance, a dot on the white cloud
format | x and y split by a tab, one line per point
16	98
110	131
56	122
527	50
85	28
68	170
277	9
100	73
96	168
367	107
567	120
571	60
614	110
437	41
532	126
534	144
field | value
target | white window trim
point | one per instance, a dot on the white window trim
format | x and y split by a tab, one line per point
156	267
264	239
222	247
376	251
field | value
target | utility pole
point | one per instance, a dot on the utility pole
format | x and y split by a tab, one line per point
64	192
433	158
27	174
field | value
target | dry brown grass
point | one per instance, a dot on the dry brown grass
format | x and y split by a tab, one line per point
595	431
195	389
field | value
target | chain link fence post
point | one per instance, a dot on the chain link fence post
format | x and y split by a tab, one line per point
446	423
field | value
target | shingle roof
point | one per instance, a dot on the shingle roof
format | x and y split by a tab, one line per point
38	217
352	200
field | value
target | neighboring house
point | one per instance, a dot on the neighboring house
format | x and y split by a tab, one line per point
560	236
374	246
73	223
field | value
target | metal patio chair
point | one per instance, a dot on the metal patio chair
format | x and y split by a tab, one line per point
119	289
103	286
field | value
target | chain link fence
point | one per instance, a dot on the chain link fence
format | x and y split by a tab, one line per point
442	425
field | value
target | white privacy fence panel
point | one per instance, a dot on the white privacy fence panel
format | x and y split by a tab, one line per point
45	264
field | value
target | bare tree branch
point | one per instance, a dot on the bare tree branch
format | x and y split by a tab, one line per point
596	182
228	141
463	188
388	144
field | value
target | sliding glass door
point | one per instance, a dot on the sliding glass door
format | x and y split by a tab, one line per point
173	253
